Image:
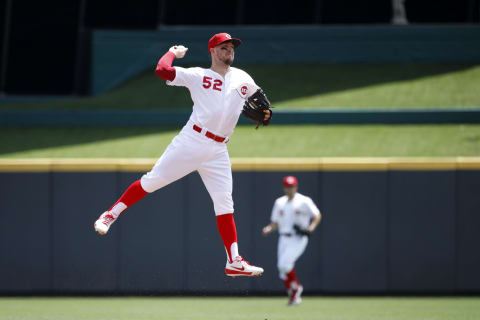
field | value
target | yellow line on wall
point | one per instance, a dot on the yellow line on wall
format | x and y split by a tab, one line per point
247	164
354	164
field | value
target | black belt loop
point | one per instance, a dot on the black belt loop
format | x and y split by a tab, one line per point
286	234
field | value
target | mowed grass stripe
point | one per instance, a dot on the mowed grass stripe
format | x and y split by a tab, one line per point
240	308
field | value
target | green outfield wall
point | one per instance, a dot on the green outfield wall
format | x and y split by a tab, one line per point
390	225
118	55
180	117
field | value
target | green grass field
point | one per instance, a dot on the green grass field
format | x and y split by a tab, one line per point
242	308
272	141
307	86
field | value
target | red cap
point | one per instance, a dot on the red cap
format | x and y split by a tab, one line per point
220	38
290	181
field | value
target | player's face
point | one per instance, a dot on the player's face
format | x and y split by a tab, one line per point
290	191
225	52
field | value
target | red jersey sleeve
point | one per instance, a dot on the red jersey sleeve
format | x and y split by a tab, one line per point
164	68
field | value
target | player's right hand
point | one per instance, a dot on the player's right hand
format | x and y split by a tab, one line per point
179	51
266	230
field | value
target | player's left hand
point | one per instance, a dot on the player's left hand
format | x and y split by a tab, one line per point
268	113
257	108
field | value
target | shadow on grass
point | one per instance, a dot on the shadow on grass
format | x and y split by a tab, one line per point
281	82
18	139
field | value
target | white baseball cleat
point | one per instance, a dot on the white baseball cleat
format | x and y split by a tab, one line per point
296	296
240	267
104	222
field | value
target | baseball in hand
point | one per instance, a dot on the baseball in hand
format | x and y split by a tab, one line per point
179	51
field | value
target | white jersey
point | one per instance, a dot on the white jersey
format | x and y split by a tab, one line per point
217	101
300	210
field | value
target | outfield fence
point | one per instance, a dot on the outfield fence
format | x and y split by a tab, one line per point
390	225
179	117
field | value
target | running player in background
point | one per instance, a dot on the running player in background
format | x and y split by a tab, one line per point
295	216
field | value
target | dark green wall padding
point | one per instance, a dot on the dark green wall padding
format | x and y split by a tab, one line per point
119	55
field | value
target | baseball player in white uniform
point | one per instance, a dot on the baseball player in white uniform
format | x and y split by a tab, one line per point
218	95
295	216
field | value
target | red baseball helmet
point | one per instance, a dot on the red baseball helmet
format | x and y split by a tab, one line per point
222	37
290	181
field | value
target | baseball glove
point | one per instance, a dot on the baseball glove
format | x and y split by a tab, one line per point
301	232
254	107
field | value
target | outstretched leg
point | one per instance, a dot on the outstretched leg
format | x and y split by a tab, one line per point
178	160
216	174
133	194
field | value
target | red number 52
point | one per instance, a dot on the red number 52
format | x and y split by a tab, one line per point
207	83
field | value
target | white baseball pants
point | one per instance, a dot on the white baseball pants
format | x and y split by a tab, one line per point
288	251
190	151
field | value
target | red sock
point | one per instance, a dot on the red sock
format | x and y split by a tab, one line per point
291	277
133	194
287	284
228	232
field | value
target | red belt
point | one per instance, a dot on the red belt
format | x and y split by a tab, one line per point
208	134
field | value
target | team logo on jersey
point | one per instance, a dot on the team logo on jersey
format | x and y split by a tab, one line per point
281	212
297	212
243	90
